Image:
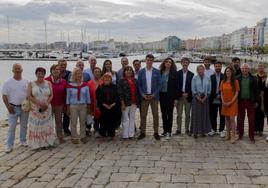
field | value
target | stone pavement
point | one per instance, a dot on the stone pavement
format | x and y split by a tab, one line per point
182	162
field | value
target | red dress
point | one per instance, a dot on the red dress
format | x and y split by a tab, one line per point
227	95
92	90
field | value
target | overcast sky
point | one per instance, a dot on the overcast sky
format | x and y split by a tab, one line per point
125	20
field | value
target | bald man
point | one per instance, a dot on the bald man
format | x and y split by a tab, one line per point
14	92
124	63
247	101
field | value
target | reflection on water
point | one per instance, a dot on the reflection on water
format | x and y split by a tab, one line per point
30	66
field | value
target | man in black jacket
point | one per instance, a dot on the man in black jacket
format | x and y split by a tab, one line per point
247	100
184	95
215	100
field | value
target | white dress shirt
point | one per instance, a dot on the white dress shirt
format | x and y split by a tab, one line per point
149	80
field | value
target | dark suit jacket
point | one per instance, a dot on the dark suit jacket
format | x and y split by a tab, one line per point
253	88
155	85
213	79
172	85
188	84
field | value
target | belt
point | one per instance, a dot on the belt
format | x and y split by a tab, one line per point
15	105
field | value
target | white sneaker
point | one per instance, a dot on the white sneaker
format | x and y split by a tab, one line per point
222	134
24	144
211	133
8	149
168	136
266	139
97	134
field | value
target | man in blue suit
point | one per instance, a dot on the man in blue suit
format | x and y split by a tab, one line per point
149	86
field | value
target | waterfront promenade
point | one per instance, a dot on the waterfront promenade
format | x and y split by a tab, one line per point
182	162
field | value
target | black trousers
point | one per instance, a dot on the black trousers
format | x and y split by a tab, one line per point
259	119
66	123
166	106
214	109
108	122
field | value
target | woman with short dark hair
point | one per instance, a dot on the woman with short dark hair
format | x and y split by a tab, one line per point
128	92
58	100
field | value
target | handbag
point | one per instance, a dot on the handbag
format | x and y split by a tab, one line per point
26	105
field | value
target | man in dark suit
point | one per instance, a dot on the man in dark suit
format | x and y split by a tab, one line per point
215	100
184	95
65	74
236	65
149	86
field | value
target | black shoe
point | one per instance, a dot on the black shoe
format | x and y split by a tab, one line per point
141	136
195	136
187	132
67	133
156	136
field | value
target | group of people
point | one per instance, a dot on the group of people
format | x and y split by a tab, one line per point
103	99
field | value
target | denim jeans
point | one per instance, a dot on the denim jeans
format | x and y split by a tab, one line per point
12	122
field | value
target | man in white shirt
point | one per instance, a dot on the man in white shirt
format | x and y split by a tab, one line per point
208	72
14	92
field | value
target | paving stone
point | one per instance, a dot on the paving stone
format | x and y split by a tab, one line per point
83	183
248	173
47	177
104	163
25	183
172	185
124	177
103	178
238	179
117	185
9	183
121	163
262	180
90	173
53	184
210	179
165	164
142	185
38	185
70	181
226	172
143	170
220	186
198	186
182	179
246	186
161	178
142	163
127	170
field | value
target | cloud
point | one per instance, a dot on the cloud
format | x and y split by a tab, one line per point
127	20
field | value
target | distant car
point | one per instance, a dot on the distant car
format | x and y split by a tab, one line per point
239	53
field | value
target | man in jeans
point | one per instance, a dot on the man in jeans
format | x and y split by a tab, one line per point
14	92
247	100
149	86
184	77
